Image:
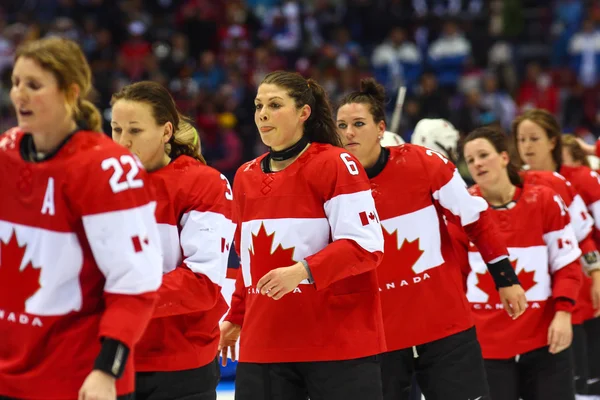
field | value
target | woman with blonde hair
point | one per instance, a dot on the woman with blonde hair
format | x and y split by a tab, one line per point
177	356
79	246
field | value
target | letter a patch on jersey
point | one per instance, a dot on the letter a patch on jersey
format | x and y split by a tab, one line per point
48	206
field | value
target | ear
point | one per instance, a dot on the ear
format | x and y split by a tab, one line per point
381	128
553	142
505	158
167	132
74	92
305	112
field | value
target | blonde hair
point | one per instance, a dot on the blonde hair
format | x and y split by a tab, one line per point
571	144
185	139
65	60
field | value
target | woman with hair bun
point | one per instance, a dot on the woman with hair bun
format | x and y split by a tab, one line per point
427	319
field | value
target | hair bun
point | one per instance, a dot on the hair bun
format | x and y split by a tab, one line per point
369	86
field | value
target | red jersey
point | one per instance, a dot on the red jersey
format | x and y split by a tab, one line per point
583	225
195	224
79	260
544	252
419	278
319	209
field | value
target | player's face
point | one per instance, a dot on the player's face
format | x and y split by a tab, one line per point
485	164
133	126
534	146
359	132
279	122
39	102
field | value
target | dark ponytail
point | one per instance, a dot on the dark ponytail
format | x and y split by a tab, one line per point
320	126
499	140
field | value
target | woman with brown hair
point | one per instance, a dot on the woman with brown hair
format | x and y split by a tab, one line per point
525	358
537	136
177	356
307	299
80	252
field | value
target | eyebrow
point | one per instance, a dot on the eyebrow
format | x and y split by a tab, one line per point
353	119
274	97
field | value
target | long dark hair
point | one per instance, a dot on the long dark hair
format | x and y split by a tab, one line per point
498	139
185	140
320	126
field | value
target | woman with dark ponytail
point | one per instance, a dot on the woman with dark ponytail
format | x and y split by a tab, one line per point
428	325
177	356
306	301
524	359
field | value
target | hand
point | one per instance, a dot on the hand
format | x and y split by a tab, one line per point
596	292
513	299
589	149
560	333
230	334
280	281
98	386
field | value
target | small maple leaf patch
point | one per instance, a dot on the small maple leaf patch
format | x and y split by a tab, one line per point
17	284
262	259
486	283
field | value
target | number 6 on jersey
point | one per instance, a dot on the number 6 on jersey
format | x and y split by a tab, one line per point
350	164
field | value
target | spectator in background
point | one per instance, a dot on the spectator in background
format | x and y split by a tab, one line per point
584	52
448	55
397	62
498	101
538	91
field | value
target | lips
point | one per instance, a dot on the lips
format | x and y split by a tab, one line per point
25	113
265	129
352	144
481	173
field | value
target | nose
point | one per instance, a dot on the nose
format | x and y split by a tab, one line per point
18	93
262	115
124	141
349	133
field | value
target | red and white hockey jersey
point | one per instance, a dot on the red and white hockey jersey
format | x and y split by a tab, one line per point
79	260
319	209
544	252
583	226
419	278
195	224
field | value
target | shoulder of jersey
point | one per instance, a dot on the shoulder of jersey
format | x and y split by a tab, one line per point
532	189
10	139
474	190
93	145
189	169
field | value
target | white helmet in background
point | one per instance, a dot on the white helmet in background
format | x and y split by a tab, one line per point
437	134
391	139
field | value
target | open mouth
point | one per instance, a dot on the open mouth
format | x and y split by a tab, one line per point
352	144
482	173
25	113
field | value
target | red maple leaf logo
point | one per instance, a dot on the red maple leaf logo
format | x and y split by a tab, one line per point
262	260
486	283
20	284
408	253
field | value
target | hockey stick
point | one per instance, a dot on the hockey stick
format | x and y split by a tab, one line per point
395	124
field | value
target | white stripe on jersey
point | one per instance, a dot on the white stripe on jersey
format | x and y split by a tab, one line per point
581	220
171	249
529	259
343	212
305	235
201	240
563	247
595	210
116	239
454	197
424	225
59	257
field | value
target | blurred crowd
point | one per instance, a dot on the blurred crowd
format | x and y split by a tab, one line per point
472	62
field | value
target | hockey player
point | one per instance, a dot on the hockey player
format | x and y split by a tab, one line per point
428	324
79	247
438	135
309	238
537	138
176	357
524	359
